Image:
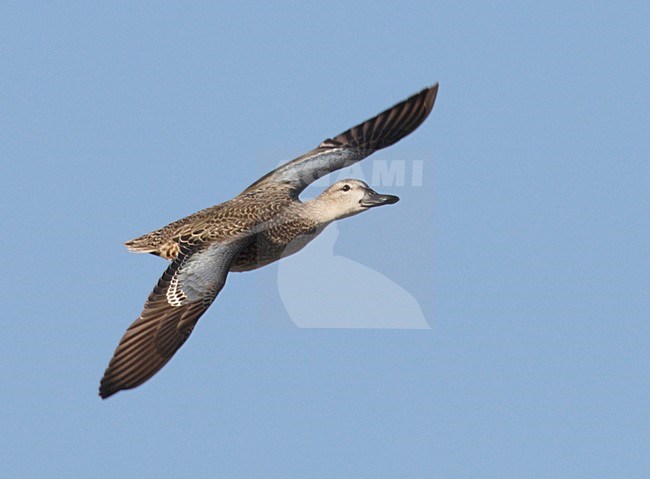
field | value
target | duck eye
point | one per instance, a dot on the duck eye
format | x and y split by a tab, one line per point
346	188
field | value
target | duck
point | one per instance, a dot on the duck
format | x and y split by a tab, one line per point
264	223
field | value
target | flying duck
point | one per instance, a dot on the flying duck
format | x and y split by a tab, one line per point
265	222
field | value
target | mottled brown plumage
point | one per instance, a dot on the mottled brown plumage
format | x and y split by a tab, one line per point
264	223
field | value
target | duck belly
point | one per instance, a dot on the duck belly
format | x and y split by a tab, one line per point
267	248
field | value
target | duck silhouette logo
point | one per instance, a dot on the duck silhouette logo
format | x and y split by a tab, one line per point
314	296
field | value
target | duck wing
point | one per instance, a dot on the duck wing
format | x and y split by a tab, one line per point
184	292
354	144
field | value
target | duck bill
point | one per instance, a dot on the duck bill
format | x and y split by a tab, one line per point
372	199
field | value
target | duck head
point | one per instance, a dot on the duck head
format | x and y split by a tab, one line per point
349	197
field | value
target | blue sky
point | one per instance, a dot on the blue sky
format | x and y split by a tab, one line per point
525	247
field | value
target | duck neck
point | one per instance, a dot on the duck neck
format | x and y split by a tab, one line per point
316	211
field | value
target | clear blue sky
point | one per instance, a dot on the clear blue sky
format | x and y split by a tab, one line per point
526	245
